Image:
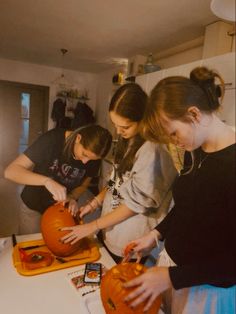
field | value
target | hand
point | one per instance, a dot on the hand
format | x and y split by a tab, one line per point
72	206
129	252
142	246
78	232
86	209
57	190
149	286
91	206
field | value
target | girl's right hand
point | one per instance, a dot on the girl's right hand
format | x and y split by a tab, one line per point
142	246
57	190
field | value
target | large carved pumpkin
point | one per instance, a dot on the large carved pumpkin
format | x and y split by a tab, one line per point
113	292
53	219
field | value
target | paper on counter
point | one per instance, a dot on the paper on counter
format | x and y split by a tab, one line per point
2	244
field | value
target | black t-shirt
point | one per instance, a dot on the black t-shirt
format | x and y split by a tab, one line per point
199	232
49	159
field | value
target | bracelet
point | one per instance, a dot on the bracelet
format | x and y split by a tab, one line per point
94	206
154	233
97	226
91	206
99	203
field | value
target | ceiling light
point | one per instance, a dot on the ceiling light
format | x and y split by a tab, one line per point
61	80
224	9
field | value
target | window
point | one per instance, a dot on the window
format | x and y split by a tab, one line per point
25	115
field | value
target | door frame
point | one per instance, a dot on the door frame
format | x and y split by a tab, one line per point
36	87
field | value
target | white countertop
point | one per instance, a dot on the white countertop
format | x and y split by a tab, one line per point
48	293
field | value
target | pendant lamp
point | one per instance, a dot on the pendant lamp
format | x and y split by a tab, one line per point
224	9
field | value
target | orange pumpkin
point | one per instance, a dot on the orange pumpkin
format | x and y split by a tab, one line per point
113	292
53	219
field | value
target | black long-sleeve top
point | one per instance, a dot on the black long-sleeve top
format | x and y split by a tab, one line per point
199	232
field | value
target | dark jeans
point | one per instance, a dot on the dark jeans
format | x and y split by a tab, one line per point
117	258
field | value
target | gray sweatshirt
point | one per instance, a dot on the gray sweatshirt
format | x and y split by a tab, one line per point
146	190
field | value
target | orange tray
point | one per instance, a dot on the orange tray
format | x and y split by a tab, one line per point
89	253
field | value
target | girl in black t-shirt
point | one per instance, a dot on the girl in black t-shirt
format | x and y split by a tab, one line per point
57	167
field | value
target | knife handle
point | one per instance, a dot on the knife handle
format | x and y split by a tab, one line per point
13	238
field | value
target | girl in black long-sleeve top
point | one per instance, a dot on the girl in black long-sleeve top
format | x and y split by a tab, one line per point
197	267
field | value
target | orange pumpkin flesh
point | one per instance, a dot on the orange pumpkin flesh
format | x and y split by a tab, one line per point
38	259
113	292
53	219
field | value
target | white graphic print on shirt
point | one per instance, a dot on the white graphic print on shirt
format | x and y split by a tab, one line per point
114	185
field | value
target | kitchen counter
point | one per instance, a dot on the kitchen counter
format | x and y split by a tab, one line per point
46	293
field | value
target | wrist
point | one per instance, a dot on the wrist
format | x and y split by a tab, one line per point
46	180
94	203
155	235
96	226
71	197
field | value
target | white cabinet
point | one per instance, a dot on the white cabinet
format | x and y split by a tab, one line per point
142	81
148	81
153	79
224	64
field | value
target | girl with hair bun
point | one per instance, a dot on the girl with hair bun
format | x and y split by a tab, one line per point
196	270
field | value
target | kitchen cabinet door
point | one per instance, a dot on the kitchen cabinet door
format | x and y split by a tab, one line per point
149	81
141	80
153	79
185	69
227	111
225	65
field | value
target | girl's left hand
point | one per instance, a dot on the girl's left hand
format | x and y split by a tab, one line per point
149	286
73	207
77	233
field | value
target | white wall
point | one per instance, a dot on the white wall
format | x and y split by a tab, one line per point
105	90
43	75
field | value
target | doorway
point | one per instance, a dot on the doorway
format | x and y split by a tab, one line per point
23	117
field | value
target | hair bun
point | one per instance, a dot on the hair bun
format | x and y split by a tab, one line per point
202	75
205	78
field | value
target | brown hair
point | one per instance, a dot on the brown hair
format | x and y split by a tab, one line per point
129	102
93	138
175	94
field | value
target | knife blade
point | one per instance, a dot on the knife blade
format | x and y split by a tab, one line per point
32	247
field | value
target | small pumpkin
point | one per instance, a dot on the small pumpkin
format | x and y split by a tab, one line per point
113	292
53	219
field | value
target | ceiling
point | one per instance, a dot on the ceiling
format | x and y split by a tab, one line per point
97	33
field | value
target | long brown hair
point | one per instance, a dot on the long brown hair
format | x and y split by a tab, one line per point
93	138
129	102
